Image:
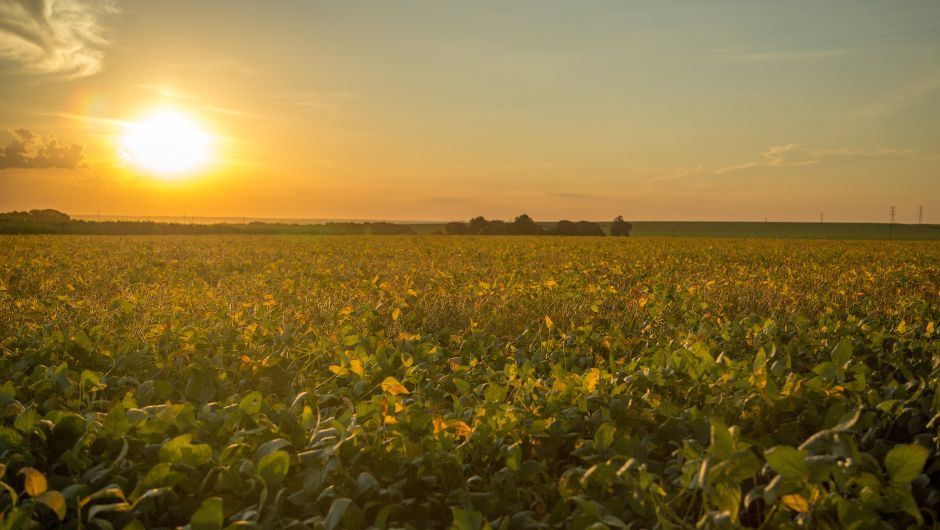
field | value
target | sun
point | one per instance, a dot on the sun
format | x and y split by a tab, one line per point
167	144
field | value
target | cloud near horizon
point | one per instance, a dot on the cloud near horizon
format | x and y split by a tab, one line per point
28	150
793	155
64	38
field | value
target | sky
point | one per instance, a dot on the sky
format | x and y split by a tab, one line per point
431	110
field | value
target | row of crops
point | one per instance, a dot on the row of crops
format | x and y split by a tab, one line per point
470	383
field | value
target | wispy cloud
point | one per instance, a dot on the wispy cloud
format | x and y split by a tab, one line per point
63	38
794	155
776	157
30	151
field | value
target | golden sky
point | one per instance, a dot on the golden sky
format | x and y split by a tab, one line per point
425	110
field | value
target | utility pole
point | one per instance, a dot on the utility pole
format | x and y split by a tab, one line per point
820	218
891	225
920	215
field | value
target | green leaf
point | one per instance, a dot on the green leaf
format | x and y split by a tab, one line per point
158	475
604	437
16	519
721	442
115	423
273	468
467	519
208	516
905	462
25	421
105	508
7	393
91	380
180	450
337	510
788	462
842	353
847	421
251	404
898	497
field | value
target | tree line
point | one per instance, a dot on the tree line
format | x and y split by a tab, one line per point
55	222
524	225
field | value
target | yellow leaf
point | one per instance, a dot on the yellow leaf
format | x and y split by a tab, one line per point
396	313
389	420
796	503
459	427
355	366
338	370
55	501
902	326
346	310
404	335
548	322
35	481
393	386
550	284
591	378
930	327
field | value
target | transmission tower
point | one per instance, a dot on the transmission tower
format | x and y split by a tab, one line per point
920	215
820	218
891	225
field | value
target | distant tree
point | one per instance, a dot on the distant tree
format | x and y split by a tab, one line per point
456	228
580	228
49	216
587	228
620	227
566	228
495	228
524	225
477	224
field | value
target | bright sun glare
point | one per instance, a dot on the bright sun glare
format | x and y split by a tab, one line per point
166	143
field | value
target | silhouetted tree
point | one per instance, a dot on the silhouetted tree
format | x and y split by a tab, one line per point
524	225
495	228
620	227
566	228
580	228
53	222
587	228
456	228
477	224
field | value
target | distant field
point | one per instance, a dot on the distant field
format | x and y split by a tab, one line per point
468	382
758	230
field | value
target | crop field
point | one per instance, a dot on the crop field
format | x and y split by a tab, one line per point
468	382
